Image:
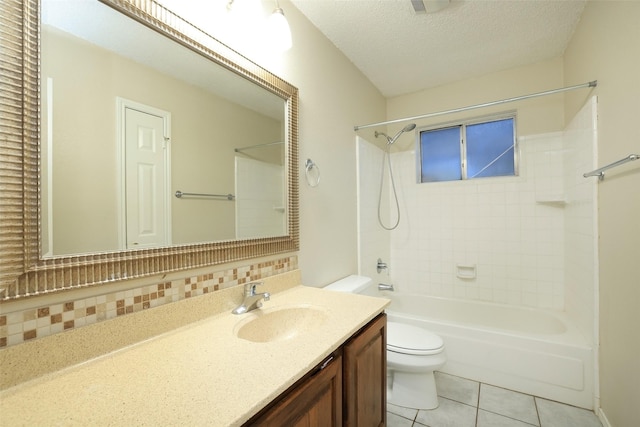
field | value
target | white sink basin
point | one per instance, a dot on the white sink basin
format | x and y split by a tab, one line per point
280	323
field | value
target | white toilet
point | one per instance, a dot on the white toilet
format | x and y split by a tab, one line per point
413	354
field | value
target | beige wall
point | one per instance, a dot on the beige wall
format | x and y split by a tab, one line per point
535	116
606	47
85	210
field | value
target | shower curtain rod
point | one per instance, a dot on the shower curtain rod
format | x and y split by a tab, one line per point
593	83
238	150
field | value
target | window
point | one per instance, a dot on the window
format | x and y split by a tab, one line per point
468	150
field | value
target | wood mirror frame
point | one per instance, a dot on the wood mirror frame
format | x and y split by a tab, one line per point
23	272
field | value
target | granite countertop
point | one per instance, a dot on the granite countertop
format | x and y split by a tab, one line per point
198	374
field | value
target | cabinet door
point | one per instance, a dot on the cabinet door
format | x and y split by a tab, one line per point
365	376
315	402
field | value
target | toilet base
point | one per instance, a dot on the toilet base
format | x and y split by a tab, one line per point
412	390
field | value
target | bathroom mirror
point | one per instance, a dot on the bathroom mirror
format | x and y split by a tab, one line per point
217	187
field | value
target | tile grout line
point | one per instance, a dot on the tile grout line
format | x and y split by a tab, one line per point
511	418
535	405
478	403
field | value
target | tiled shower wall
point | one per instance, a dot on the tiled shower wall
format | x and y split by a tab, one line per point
500	239
581	266
24	325
491	239
373	240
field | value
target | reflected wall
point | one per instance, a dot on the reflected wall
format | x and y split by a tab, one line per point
205	130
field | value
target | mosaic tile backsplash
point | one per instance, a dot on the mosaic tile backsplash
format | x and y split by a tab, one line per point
25	325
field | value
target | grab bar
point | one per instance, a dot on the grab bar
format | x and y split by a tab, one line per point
600	172
180	194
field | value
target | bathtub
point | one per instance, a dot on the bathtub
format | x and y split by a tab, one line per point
534	351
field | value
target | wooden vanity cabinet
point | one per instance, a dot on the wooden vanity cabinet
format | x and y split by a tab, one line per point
315	401
365	376
347	389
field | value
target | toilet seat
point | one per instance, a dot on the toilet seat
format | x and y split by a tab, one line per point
409	339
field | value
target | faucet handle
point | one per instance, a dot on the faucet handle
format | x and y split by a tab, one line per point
250	288
380	266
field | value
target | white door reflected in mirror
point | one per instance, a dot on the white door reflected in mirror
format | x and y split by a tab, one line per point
145	183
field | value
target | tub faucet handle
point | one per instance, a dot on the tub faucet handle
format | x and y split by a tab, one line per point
380	266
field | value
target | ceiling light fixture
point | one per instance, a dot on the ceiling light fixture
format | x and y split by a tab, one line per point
279	29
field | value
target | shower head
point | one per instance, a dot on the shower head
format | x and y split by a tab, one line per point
407	128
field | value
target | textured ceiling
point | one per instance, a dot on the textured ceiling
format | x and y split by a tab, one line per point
403	52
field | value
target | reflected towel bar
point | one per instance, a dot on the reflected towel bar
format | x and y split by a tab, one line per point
240	150
180	194
600	172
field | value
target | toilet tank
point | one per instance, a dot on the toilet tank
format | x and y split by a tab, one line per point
353	284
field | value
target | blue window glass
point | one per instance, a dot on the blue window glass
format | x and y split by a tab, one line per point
440	151
490	150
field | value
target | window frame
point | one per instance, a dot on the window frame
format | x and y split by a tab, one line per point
462	125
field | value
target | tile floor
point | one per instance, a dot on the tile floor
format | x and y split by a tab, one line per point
467	403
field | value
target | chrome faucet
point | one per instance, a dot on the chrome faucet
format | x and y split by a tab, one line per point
252	300
384	287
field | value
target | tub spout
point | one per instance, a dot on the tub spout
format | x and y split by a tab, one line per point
384	287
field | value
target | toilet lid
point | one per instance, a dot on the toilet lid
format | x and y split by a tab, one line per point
409	339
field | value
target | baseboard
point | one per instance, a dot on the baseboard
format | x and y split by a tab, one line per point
603	418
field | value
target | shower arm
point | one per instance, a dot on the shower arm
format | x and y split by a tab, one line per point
390	141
